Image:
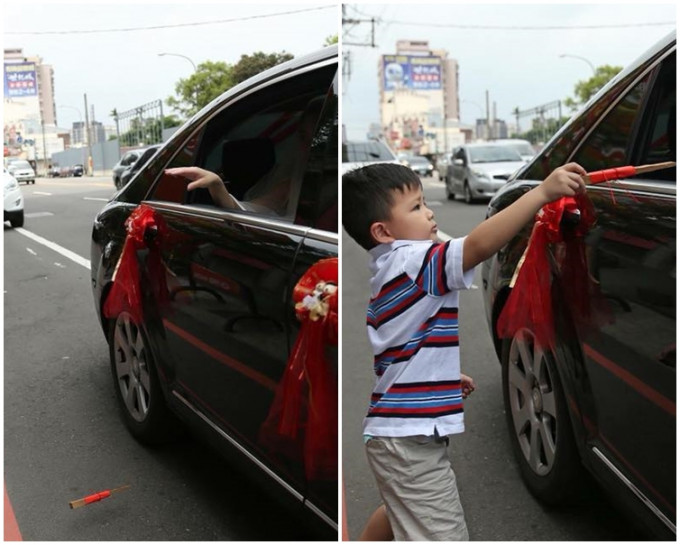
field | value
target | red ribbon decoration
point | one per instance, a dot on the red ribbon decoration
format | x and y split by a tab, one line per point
126	292
530	301
309	380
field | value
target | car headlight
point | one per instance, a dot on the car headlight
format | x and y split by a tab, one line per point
480	174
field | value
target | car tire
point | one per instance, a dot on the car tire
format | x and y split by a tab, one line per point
467	193
138	390
450	195
116	182
538	421
17	219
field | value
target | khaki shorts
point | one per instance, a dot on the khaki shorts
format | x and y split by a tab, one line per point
418	487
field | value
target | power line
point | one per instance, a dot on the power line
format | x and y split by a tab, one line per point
180	25
544	27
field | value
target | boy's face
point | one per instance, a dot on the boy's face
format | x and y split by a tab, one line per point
411	219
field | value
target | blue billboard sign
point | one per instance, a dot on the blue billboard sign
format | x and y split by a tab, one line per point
412	72
20	80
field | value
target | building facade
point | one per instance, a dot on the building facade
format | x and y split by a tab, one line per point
419	99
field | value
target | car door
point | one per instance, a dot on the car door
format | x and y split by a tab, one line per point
631	360
457	170
228	328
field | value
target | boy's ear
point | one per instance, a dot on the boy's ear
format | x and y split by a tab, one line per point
380	233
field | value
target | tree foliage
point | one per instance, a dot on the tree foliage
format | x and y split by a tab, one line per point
585	89
331	40
251	65
211	79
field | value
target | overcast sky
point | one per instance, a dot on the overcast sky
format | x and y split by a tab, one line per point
519	68
123	70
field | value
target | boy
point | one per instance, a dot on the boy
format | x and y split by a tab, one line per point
413	329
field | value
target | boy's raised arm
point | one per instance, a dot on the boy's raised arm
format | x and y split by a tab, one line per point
494	233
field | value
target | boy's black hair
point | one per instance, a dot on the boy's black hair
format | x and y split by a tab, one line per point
368	196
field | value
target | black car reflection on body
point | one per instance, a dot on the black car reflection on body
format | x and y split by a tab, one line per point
605	397
214	352
135	167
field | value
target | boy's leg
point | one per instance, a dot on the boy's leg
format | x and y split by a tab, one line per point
418	486
378	527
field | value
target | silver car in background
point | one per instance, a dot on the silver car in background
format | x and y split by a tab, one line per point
22	171
477	171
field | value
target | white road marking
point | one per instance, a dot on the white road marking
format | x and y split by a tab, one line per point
41	193
54	246
95	199
59	265
433	203
39	214
31	251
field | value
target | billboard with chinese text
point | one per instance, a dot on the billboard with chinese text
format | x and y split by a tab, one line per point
20	80
411	72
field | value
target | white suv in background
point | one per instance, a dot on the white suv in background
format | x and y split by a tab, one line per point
14	200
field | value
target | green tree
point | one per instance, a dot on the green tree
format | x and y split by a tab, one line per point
331	40
209	81
251	65
583	90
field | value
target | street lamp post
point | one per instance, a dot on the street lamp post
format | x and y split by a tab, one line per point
192	64
563	55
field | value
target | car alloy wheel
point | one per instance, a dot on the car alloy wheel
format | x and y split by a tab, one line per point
138	389
131	367
532	403
538	420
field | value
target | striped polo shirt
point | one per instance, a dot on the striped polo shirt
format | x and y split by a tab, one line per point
412	324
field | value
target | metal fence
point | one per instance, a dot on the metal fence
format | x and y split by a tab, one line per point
140	126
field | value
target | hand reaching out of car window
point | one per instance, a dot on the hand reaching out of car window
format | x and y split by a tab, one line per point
205	178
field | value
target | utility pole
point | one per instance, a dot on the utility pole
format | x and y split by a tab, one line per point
89	140
488	127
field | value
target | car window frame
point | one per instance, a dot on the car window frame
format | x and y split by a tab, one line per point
648	72
198	132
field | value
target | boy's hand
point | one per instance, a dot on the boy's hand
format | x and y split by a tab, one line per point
564	181
467	384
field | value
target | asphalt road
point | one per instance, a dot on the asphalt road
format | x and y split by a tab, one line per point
496	503
63	435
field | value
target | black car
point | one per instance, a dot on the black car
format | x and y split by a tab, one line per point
135	167
604	397
126	161
213	349
77	170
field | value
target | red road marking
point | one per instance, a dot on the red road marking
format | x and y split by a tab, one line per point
12	532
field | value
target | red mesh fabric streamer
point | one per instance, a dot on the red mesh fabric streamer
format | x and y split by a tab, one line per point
530	302
126	293
303	418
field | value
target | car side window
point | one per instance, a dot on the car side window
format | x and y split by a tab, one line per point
318	199
657	140
257	146
610	144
